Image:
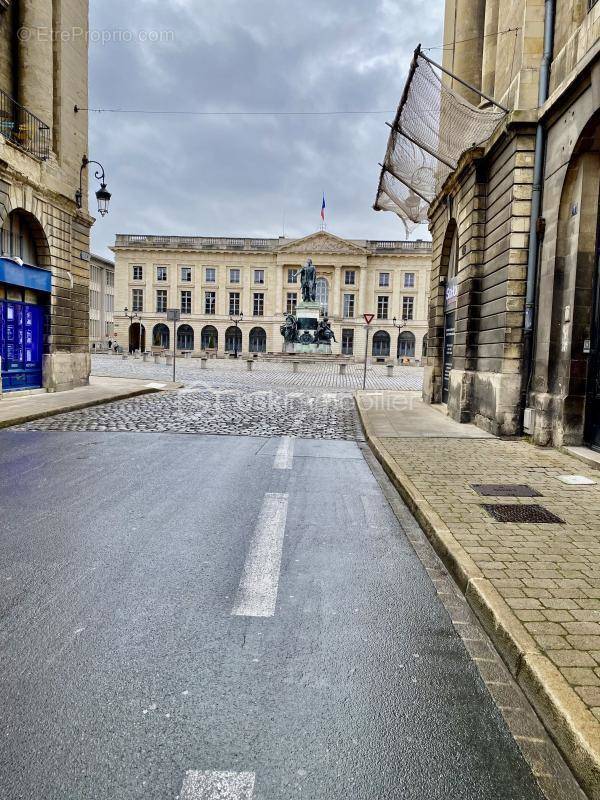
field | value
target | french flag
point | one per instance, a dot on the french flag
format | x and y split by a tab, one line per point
323	207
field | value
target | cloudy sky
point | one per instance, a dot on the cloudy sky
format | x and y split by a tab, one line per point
244	175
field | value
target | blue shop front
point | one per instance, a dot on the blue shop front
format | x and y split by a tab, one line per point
24	303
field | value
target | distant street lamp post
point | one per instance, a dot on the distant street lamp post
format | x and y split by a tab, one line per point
236	321
399	325
131	317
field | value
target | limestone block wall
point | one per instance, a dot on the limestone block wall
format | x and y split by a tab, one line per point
488	202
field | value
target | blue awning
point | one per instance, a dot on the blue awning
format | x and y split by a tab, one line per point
25	275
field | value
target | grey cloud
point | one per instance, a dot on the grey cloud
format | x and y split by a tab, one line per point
240	175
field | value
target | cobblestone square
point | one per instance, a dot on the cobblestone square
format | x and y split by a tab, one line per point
226	398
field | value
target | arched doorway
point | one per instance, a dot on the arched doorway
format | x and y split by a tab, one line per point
134	337
161	336
26	304
258	340
450	304
323	295
381	344
209	338
233	340
185	337
406	345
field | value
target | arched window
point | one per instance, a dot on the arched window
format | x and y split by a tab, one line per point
233	340
209	338
18	238
406	345
185	337
381	344
323	295
258	340
425	346
161	336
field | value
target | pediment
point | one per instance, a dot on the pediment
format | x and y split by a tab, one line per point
322	242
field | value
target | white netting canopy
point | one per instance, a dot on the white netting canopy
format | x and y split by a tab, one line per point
433	127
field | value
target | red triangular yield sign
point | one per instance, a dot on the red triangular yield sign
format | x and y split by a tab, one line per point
369	318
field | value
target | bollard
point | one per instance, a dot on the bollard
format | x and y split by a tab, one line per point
295	365
157	358
203	362
146	356
390	370
188	354
343	369
169	358
249	364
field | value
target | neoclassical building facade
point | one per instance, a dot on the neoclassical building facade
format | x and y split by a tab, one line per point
44	243
233	294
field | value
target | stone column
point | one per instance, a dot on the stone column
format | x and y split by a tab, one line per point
35	73
362	292
464	28
337	285
490	45
278	291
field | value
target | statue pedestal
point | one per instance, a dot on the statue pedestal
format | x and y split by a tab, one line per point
308	316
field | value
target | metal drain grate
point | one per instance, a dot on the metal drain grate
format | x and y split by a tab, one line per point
522	513
505	490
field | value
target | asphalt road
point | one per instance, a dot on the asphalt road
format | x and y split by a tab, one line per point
188	616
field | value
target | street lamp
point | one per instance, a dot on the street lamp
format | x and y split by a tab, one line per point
399	325
131	317
102	195
236	321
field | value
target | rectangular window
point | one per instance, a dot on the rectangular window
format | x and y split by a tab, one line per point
349	306
292	276
259	304
347	341
234	303
383	302
408	307
186	274
138	273
137	299
291	303
234	276
409	280
161	273
186	302
210	275
350	277
259	276
210	302
384	278
161	301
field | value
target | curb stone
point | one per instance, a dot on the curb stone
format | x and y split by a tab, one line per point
571	726
53	412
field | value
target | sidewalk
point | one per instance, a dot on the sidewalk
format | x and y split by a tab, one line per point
534	586
16	410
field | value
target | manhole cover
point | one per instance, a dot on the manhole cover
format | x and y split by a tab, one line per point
522	513
505	490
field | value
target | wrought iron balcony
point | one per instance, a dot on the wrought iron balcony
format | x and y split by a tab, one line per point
23	128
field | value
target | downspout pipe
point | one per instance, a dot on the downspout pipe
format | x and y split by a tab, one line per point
536	200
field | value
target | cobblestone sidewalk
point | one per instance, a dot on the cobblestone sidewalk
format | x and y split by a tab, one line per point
534	586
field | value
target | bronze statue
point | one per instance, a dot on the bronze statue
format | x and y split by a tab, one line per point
289	330
308	281
324	334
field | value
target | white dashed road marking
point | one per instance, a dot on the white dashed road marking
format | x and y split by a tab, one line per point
285	453
257	592
217	786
